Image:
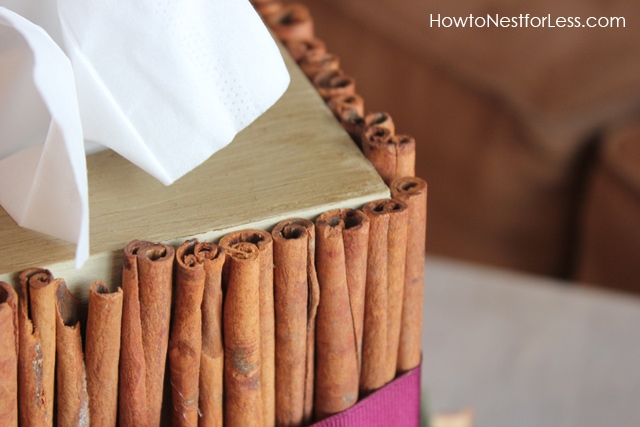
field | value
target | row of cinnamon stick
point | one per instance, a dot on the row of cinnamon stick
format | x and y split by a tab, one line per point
392	155
266	329
45	373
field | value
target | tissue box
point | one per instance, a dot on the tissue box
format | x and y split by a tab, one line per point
294	161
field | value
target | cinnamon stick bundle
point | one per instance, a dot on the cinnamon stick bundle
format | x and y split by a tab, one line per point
384	296
337	352
264	242
296	300
37	347
185	343
71	385
212	258
241	322
392	156
102	353
8	356
413	192
147	286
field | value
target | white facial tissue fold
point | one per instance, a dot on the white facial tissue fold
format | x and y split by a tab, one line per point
163	83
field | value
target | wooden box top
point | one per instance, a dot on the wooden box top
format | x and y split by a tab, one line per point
293	161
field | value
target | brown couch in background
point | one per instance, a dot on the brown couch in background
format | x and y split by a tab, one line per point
609	251
507	120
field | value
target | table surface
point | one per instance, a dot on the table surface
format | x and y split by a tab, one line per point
293	161
527	351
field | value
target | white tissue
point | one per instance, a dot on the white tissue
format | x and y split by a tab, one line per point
163	83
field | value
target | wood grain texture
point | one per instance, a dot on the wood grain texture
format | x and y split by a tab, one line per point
294	160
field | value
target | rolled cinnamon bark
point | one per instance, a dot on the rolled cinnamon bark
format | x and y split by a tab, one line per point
337	365
380	119
291	22
334	83
185	343
147	287
242	396
374	350
312	311
212	258
413	192
72	407
311	66
132	390
264	243
37	347
296	299
355	234
385	282
344	105
396	265
266	7
391	156
356	238
313	49
405	155
8	356
102	353
355	125
378	149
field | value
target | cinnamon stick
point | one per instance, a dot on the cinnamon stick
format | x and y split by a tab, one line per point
296	299
37	345
312	49
385	281
392	156
344	105
337	365
291	22
242	397
8	356
212	258
334	83
71	385
354	124
266	7
185	343
147	287
264	243
374	351
413	192
102	353
405	155
355	234
312	65
380	119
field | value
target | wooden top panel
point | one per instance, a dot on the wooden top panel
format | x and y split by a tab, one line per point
294	160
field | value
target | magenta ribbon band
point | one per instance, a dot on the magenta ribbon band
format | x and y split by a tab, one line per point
397	404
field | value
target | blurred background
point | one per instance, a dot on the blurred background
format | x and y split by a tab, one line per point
529	138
